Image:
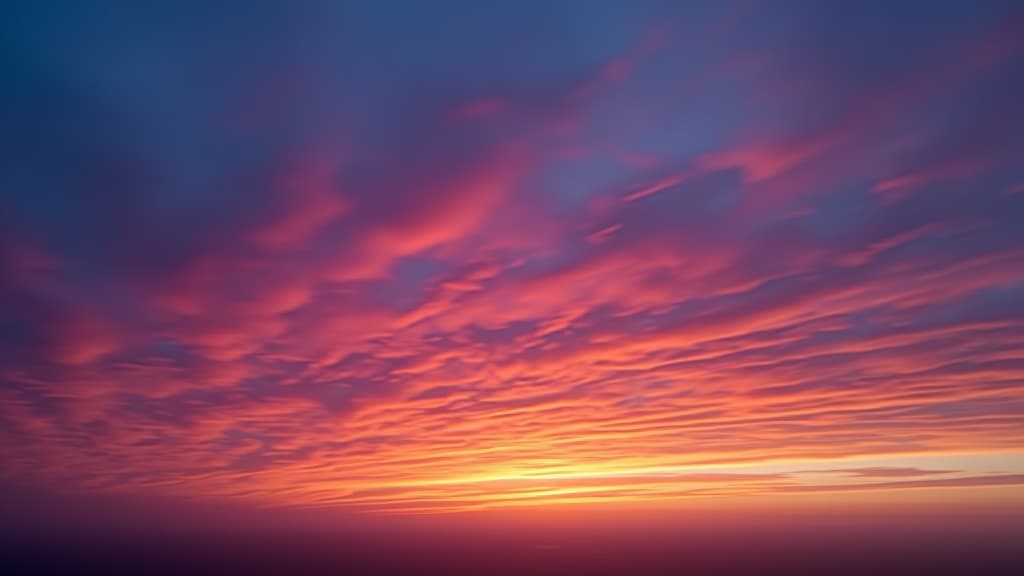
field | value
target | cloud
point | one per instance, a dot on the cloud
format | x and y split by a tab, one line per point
881	472
470	299
311	203
966	482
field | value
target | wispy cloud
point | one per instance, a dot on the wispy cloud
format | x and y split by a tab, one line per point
472	272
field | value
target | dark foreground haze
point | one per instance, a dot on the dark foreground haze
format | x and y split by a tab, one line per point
897	547
784	540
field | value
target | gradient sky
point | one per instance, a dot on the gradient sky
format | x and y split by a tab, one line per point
437	256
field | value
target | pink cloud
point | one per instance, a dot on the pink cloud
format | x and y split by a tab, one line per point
83	337
899	186
310	203
480	109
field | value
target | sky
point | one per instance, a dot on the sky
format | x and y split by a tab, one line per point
430	258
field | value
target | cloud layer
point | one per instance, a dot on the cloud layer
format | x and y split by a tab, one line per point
644	253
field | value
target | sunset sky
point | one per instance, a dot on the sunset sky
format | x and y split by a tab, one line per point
426	258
